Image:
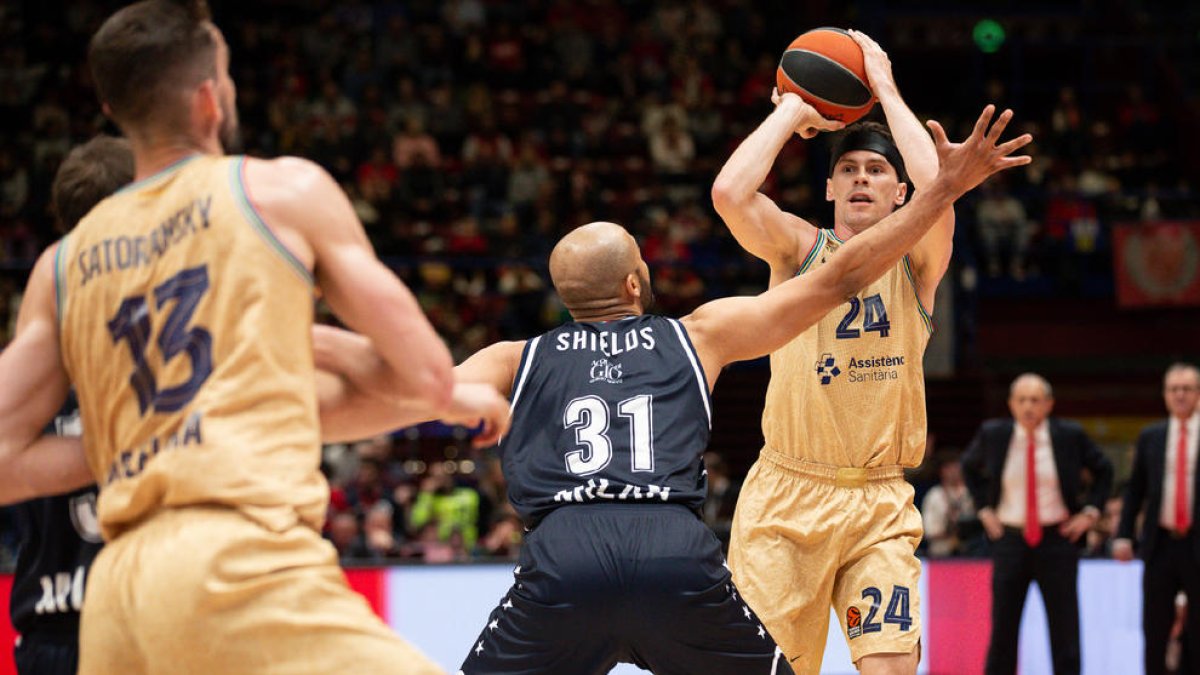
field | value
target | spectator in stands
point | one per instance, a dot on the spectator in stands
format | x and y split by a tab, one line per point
346	537
412	142
1004	230
948	514
453	507
379	534
722	497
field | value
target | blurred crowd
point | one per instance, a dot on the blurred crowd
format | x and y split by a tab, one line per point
471	134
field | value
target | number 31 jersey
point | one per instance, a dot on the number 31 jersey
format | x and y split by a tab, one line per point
614	411
186	330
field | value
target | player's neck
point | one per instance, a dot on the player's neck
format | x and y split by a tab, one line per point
843	231
604	314
151	156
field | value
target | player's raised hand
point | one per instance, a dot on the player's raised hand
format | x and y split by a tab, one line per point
967	164
811	123
875	62
472	404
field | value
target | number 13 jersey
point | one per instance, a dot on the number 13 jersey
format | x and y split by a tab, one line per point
186	330
614	411
850	391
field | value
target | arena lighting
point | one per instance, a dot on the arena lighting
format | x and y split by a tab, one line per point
988	35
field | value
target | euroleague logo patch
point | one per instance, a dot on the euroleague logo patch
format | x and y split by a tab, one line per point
853	623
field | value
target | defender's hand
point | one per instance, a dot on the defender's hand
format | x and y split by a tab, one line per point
472	404
810	123
967	164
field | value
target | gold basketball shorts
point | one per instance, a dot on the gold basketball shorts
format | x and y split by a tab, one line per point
807	536
206	590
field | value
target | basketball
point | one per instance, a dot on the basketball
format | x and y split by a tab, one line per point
825	68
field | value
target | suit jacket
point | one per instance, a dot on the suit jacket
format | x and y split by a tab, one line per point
983	464
1144	493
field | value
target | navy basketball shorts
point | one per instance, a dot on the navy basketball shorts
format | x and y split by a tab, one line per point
598	584
47	655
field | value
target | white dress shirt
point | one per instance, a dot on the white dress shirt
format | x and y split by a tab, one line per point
1166	512
1051	509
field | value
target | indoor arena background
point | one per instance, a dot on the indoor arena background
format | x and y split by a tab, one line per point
471	134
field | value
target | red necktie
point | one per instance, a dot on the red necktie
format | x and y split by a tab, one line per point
1182	519
1033	525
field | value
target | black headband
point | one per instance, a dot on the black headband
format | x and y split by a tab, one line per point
872	141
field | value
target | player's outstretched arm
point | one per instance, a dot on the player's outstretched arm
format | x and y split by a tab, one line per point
35	387
312	216
353	394
931	255
735	329
758	224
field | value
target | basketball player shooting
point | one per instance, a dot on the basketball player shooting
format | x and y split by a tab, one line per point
611	415
825	516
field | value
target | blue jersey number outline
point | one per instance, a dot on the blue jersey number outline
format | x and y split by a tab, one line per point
132	324
875	318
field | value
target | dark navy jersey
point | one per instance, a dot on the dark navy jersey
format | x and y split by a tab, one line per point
611	411
60	537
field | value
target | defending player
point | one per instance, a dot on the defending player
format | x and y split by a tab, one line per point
611	415
825	515
60	535
181	310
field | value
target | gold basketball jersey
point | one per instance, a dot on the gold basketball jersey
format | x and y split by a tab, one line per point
186	330
850	391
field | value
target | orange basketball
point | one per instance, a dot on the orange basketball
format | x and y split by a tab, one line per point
853	617
825	68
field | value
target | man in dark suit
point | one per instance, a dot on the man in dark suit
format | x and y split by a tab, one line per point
1163	487
1034	519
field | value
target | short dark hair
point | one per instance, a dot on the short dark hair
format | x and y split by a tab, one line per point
90	173
142	54
868	135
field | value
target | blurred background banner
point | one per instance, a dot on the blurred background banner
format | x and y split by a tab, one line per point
1157	263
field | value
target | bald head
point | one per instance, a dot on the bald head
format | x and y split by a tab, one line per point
590	265
1030	399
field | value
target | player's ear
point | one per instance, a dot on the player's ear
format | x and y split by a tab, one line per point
828	189
632	286
901	193
206	106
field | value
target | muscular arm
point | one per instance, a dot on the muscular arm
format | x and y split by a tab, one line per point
35	387
758	224
734	329
495	366
931	254
354	401
312	216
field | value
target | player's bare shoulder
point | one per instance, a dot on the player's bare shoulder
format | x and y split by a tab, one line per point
294	197
284	181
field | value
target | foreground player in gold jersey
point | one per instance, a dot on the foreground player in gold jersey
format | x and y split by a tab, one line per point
181	311
825	516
